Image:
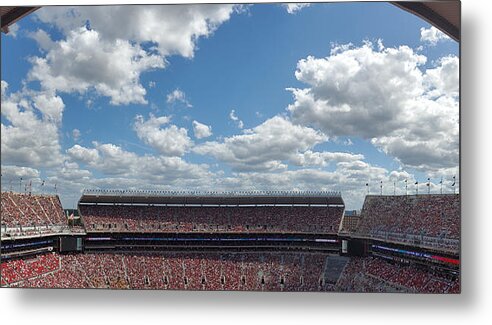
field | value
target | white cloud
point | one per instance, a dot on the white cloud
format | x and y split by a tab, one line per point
178	96
82	154
5	86
355	88
293	8
43	39
102	52
11	173
443	80
432	35
322	159
50	106
72	172
233	117
174	29
116	163
264	147
348	142
13	29
383	95
84	62
76	134
201	130
30	129
169	141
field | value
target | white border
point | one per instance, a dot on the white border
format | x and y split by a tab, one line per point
473	306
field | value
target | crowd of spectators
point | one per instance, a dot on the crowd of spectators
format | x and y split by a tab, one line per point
225	271
125	218
20	269
180	271
31	214
428	220
371	274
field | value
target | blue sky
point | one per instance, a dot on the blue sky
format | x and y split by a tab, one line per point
229	98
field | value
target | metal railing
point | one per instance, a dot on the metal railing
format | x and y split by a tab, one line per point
146	193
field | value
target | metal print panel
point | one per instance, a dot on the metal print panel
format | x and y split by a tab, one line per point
254	147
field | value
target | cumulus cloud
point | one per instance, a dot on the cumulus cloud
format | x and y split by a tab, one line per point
293	8
86	62
30	128
50	106
169	141
71	171
201	130
115	162
322	159
383	95
233	117
43	39
271	145
82	154
432	36
174	29
10	172
178	96
443	80
101	52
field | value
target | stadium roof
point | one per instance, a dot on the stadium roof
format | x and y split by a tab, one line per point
9	15
210	198
444	15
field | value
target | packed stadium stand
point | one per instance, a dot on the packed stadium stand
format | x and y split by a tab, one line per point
425	220
211	219
28	214
220	213
216	241
370	274
224	271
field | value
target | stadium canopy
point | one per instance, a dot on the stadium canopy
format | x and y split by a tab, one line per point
9	15
444	15
210	198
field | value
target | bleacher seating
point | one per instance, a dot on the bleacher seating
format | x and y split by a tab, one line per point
224	271
427	220
190	271
370	274
125	218
24	214
431	220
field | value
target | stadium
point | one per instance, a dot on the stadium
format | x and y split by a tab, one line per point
331	110
250	241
